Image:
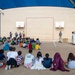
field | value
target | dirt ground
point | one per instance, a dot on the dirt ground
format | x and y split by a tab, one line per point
46	47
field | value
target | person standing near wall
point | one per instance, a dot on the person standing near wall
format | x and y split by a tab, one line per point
16	34
10	35
60	36
73	38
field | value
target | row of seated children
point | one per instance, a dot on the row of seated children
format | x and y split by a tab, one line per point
16	59
13	41
30	46
41	63
16	41
7	45
36	63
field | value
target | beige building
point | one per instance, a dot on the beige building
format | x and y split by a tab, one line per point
39	22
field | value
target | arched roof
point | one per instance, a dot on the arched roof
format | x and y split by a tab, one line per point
6	4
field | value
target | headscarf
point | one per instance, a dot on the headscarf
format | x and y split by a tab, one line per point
58	63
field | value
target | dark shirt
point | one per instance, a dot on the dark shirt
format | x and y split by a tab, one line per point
47	62
2	56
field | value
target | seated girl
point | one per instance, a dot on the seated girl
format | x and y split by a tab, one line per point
58	63
38	62
47	61
71	61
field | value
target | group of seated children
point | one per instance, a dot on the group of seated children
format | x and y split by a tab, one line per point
15	59
31	44
38	62
41	63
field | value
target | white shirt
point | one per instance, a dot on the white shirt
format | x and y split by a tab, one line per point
28	58
24	44
38	64
71	64
39	61
12	54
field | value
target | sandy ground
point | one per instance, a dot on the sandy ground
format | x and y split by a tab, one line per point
46	47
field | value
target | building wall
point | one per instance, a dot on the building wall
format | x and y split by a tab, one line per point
30	14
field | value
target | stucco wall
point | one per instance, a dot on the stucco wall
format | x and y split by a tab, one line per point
8	21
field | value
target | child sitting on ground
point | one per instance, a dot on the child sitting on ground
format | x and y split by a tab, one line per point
20	59
47	61
20	44
24	45
38	41
30	46
33	45
71	61
13	42
2	56
58	63
12	57
37	47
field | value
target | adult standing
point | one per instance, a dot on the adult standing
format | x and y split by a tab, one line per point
60	36
73	38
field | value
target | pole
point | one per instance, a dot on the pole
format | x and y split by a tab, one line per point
0	24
